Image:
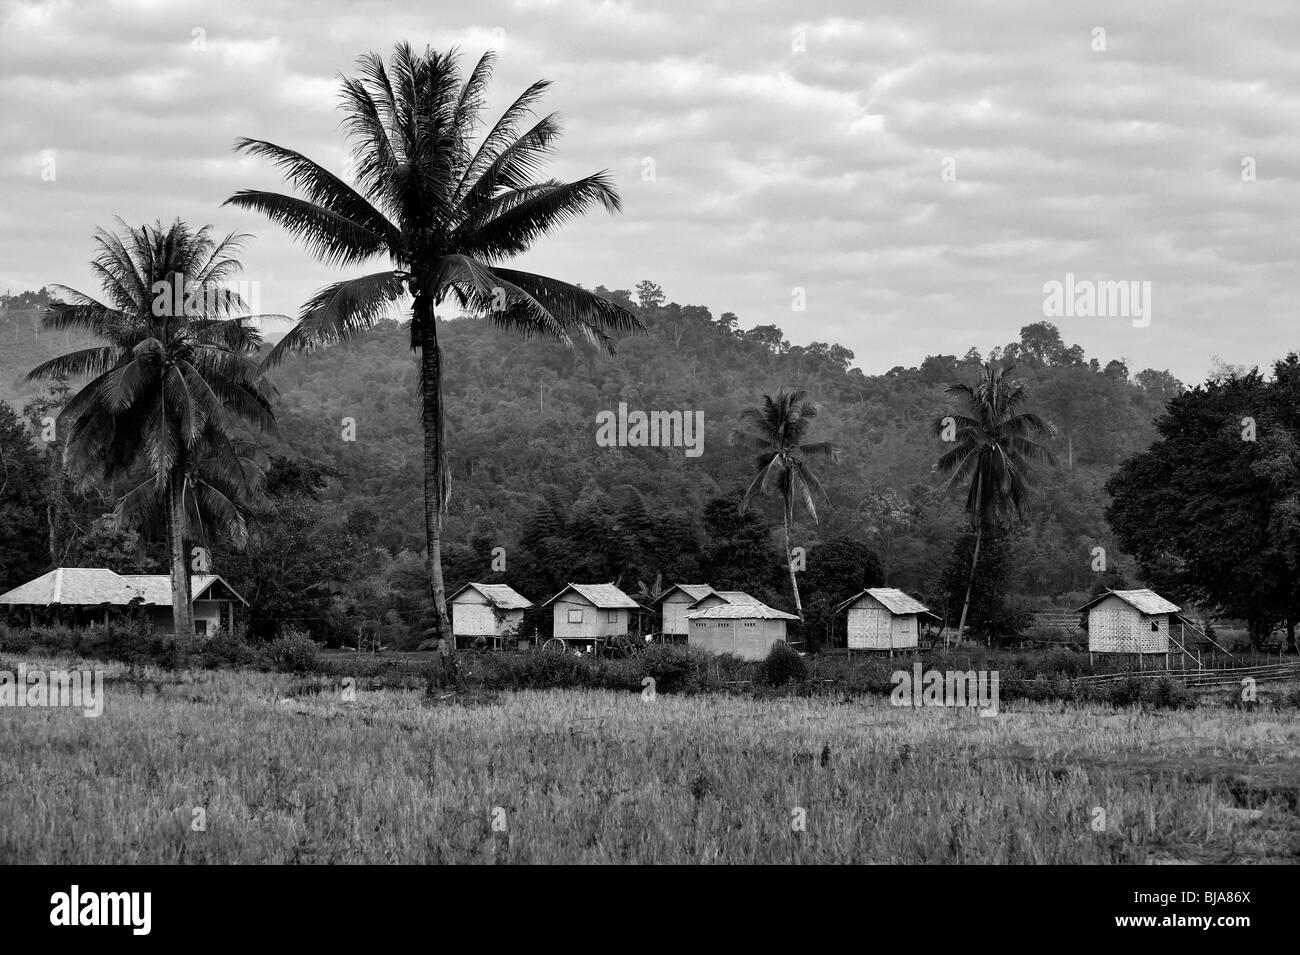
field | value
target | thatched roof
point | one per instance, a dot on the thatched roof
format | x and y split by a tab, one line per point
1145	601
894	600
501	596
604	596
694	591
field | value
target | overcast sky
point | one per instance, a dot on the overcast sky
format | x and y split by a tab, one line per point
794	145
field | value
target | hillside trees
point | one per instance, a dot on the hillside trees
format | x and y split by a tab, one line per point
1211	510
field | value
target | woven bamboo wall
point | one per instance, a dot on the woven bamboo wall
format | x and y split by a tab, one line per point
1117	627
873	627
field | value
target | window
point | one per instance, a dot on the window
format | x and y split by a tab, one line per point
1155	626
575	615
750	623
612	617
201	627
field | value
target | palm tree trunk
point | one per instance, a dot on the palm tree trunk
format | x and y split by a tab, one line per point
434	462
794	583
970	583
182	611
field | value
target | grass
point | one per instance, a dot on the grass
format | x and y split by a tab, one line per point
286	770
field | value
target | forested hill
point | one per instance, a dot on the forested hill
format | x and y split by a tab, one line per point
527	467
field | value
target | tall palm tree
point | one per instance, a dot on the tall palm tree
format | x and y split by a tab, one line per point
993	452
445	208
168	385
776	434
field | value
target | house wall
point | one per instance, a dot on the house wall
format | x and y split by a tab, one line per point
1117	627
747	639
906	629
873	626
595	620
472	616
209	616
673	609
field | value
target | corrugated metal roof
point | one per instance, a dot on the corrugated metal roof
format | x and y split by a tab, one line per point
501	596
97	586
73	586
694	591
740	611
157	588
730	596
1144	600
894	600
605	596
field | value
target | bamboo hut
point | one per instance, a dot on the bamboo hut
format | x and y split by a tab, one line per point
1129	621
585	613
883	618
486	610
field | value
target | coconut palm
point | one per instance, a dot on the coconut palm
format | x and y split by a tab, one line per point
992	454
776	434
167	386
445	208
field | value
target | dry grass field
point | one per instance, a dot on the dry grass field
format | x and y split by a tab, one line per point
285	769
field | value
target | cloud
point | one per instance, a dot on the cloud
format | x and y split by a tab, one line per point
792	146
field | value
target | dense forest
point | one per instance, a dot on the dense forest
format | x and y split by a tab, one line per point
537	501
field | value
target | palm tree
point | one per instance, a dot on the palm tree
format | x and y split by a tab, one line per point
167	386
776	433
444	208
993	452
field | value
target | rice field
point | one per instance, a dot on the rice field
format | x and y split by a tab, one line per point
236	767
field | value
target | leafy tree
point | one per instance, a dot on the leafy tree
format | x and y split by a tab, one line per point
776	434
22	504
648	294
445	210
982	595
993	453
1211	510
739	553
167	386
837	569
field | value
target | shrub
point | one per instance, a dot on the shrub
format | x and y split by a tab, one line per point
1170	694
549	669
15	641
782	665
293	650
674	669
227	648
1125	692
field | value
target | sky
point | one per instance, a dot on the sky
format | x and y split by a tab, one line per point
902	178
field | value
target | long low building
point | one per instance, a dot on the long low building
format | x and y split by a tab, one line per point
94	594
745	630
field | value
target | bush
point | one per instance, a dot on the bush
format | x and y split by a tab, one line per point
781	666
674	669
15	641
1125	692
227	648
550	670
1170	694
293	650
